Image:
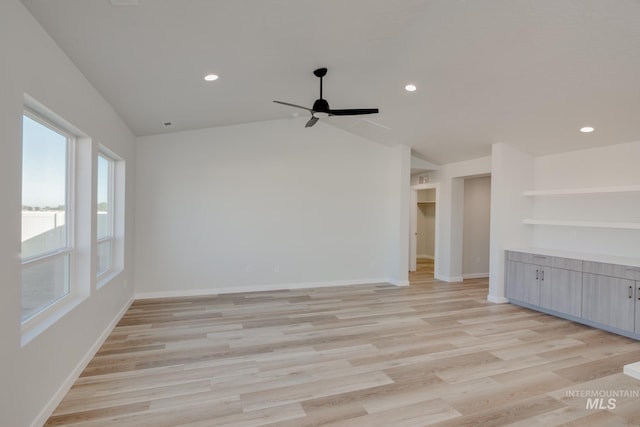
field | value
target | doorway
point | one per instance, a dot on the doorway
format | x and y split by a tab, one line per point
424	230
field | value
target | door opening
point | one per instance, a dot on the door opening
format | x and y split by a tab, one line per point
423	231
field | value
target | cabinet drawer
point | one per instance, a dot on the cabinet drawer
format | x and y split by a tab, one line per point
528	258
567	263
611	270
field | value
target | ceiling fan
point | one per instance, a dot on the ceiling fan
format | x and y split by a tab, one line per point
321	108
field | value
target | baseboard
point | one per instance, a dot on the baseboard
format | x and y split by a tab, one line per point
425	257
475	276
399	282
258	288
450	279
497	300
633	370
46	412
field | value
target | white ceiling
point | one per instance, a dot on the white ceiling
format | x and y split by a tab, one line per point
524	72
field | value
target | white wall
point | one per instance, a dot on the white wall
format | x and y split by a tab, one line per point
610	166
450	209
477	203
265	205
514	172
511	174
32	375
399	227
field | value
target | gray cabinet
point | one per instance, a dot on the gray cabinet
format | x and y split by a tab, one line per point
600	294
561	291
609	301
549	282
611	270
523	282
638	307
560	284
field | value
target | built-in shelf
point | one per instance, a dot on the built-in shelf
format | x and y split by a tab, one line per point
592	190
574	205
590	224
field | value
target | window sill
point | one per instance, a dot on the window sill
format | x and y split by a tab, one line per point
106	277
42	321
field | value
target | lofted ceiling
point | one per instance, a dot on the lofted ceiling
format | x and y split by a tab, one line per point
525	72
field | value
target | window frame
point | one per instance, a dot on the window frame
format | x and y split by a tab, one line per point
111	211
69	248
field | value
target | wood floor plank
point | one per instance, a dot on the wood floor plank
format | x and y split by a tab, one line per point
433	353
422	414
321	388
173	391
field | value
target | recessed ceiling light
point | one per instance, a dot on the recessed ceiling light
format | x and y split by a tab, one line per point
410	88
211	77
587	129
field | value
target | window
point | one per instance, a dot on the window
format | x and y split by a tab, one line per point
105	214
47	220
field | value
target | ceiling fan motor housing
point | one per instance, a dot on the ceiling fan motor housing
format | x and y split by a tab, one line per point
321	106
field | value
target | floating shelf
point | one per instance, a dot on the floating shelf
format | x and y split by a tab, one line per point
593	190
589	224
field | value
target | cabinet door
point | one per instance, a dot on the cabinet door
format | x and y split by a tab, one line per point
606	300
547	288
638	307
561	291
514	279
522	282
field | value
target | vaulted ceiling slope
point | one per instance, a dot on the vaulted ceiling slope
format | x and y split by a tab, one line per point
524	72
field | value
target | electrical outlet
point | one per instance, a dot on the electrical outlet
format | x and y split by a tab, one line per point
276	269
125	283
477	260
249	268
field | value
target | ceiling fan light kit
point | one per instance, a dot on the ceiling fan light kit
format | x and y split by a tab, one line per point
321	107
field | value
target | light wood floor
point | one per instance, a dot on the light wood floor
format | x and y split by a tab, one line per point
373	355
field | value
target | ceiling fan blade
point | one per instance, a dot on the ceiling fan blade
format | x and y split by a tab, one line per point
294	105
353	112
312	121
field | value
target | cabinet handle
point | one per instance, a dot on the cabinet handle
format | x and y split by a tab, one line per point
542	275
540	257
638	293
537	274
630	292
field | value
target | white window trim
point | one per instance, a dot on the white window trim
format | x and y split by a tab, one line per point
39	259
36	323
116	194
70	175
111	213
